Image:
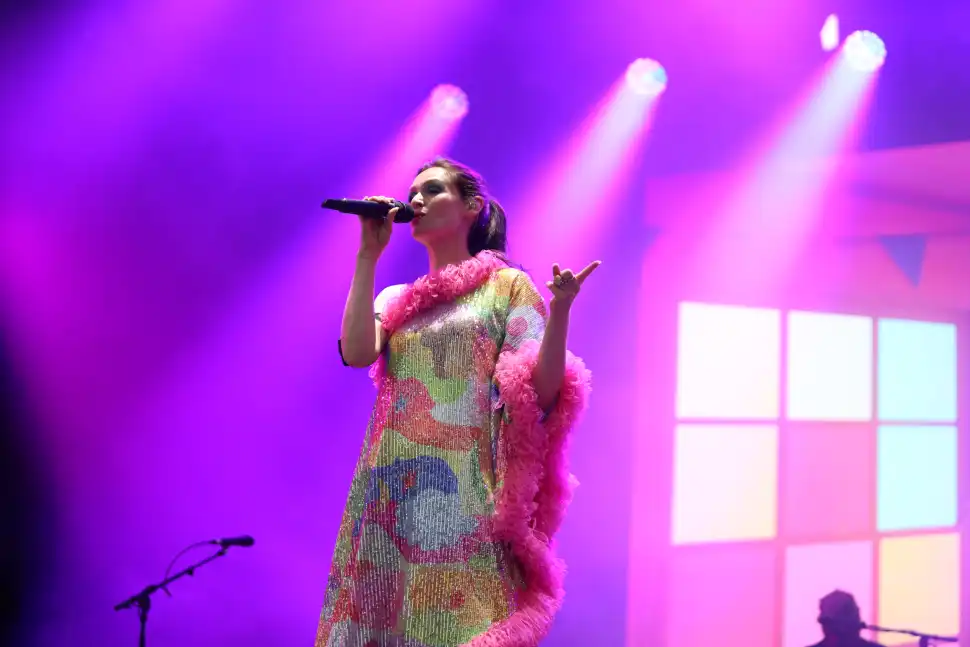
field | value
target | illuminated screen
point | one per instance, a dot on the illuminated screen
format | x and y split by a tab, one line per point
725	483
829	367
813	451
728	363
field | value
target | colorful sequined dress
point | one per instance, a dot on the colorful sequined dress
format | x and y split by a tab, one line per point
462	481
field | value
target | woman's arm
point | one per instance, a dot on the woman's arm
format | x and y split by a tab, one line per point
551	365
361	335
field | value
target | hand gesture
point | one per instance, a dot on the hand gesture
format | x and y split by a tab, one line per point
375	234
565	285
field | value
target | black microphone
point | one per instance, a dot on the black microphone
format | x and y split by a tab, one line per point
245	541
368	209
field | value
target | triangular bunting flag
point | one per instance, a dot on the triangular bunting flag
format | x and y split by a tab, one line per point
907	252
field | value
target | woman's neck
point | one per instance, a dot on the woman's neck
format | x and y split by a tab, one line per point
440	256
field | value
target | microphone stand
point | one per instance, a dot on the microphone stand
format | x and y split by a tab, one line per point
143	600
925	640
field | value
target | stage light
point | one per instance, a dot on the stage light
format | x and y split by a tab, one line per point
864	51
646	77
830	33
449	102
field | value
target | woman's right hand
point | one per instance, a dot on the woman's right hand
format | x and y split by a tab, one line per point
375	234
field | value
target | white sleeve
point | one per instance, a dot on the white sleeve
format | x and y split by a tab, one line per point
384	297
380	303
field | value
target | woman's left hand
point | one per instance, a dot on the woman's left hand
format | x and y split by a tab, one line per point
565	285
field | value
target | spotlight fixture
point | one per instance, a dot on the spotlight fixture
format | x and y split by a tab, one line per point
449	102
864	51
646	77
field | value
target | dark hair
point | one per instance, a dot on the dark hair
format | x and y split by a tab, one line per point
488	231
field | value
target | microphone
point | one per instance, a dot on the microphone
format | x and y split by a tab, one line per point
244	541
374	210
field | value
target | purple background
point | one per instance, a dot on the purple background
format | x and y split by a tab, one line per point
172	291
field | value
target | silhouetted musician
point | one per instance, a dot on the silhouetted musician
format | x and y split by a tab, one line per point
841	622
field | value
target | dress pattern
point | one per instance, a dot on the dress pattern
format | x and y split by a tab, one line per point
429	553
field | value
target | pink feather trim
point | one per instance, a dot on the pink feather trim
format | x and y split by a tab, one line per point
436	288
432	290
536	491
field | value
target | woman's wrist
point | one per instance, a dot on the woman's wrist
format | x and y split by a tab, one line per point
367	258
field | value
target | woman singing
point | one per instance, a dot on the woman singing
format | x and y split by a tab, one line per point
463	480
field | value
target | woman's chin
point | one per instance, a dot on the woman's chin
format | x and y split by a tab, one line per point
421	233
430	235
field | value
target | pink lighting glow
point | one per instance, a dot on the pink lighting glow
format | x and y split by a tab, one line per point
646	77
449	102
583	176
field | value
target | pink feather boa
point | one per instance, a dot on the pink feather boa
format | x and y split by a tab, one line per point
537	487
442	286
537	490
433	289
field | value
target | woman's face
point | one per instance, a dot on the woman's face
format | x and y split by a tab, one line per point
439	212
